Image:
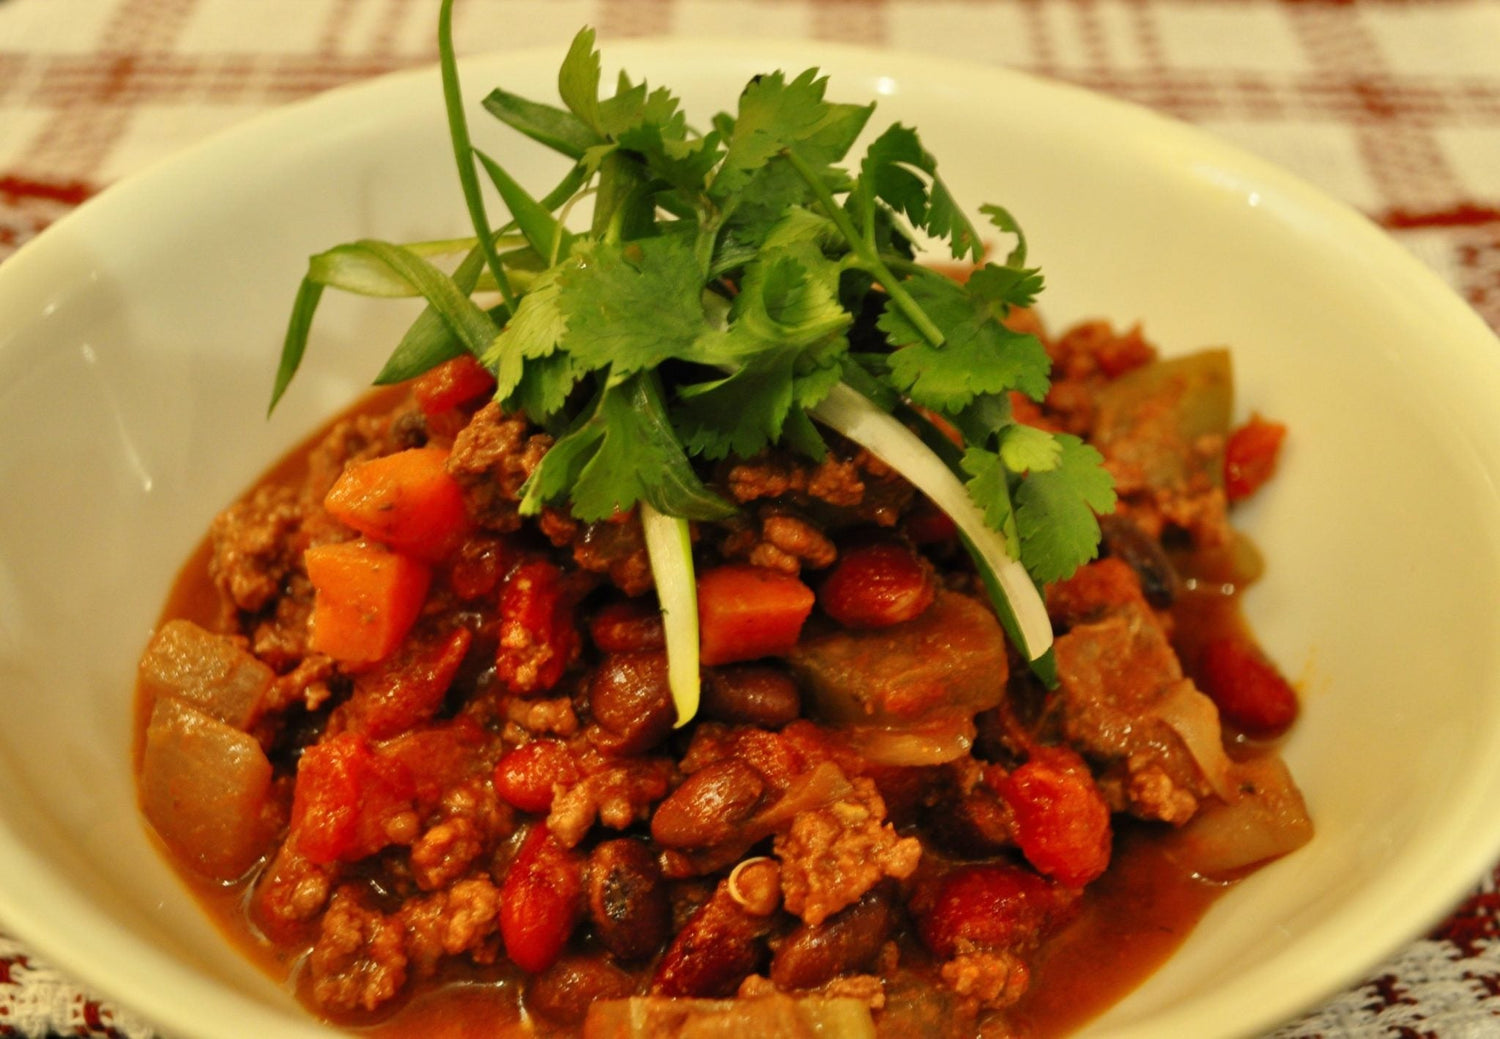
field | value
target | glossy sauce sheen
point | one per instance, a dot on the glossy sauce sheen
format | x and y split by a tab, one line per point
1127	923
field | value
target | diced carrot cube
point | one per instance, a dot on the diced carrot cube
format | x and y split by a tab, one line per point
365	600
745	612
406	500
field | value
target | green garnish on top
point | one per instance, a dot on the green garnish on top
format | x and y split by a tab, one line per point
727	282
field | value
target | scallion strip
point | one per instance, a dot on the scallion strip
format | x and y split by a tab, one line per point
671	551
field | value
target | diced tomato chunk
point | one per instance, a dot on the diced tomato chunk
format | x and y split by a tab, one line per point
365	599
541	901
408	687
1250	456
538	639
745	612
1062	821
1246	686
406	500
437	757
345	799
461	380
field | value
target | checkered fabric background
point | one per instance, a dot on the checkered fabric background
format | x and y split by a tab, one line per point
1392	106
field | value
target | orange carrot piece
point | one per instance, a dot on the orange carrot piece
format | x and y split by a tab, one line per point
365	599
745	612
406	500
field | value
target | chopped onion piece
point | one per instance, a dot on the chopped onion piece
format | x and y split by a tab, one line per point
932	743
1195	719
847	411
671	551
1267	819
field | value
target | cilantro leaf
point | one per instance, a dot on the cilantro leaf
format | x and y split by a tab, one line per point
1055	511
775	115
889	172
533	331
620	452
630	307
989	486
979	355
578	80
1028	449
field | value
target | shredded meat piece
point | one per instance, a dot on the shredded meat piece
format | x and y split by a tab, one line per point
1085	356
444	852
253	546
359	960
542	717
992	978
491	458
832	855
616	548
1113	674
617	795
291	891
780	540
306	683
462	919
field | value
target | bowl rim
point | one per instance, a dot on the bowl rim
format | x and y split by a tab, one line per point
151	983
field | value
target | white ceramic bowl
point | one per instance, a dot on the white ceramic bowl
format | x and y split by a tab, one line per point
137	339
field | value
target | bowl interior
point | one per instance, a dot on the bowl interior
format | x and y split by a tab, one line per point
138	336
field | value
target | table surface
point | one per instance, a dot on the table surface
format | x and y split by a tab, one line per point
1392	106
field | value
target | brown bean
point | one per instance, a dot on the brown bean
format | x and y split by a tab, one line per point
709	805
847	942
627	899
752	694
632	702
562	993
717	949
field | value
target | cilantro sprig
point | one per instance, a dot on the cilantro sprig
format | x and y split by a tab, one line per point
737	289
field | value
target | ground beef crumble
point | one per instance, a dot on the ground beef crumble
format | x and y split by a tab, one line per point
832	855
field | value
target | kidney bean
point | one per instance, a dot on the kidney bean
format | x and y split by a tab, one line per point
528	777
751	694
847	941
627	898
877	584
708	806
1061	820
992	904
563	992
628	626
632	701
1250	692
720	946
541	901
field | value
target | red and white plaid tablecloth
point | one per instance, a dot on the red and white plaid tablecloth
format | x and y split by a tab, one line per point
1392	106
